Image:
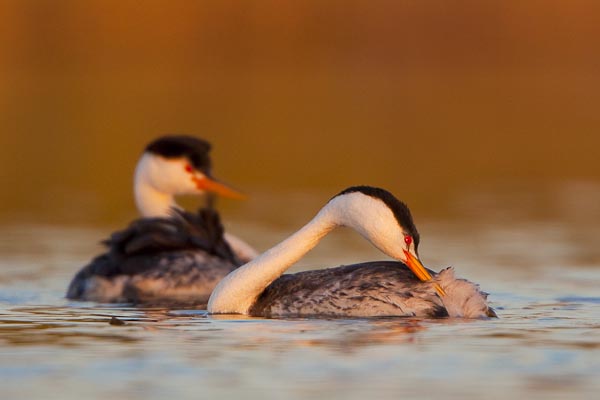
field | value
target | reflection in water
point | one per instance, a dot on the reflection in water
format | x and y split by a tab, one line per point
533	343
545	343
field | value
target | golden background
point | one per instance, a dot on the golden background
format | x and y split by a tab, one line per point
429	99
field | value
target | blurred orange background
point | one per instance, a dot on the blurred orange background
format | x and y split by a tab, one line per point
426	98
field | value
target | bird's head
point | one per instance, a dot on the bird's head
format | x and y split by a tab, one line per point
383	220
179	164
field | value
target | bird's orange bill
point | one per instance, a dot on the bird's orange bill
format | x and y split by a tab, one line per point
211	185
419	270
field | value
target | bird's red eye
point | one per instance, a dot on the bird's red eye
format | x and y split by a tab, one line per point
189	168
408	240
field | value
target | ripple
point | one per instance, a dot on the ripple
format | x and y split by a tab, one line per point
579	299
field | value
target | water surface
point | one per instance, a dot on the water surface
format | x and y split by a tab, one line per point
542	277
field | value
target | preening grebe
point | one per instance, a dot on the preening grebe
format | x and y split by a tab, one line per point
384	288
169	255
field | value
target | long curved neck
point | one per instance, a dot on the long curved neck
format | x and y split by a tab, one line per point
240	289
150	201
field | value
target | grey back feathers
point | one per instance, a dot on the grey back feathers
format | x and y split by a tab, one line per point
184	231
377	288
371	289
159	260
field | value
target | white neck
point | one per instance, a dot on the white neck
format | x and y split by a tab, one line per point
153	203
236	293
150	201
370	217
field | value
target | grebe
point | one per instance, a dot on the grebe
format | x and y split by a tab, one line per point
169	256
381	288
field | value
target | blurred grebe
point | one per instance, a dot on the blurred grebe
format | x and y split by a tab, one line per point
380	288
169	255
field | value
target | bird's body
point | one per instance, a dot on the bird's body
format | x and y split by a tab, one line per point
176	260
370	289
169	256
380	288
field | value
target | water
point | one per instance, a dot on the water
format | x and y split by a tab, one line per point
542	276
428	99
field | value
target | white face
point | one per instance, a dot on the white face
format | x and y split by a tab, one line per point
375	222
169	175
